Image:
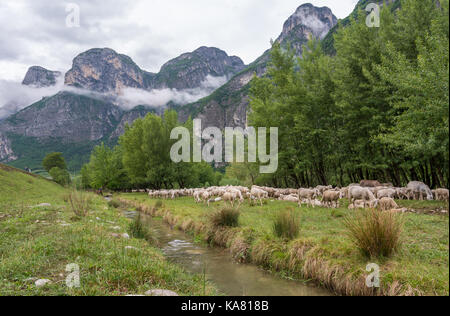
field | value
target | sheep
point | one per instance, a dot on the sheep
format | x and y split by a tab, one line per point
402	193
331	198
230	197
360	193
390	193
308	195
259	194
370	183
356	204
322	188
205	195
420	189
289	198
387	204
442	194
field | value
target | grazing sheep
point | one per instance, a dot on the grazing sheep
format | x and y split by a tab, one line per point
442	195
390	193
205	195
308	195
259	194
420	190
387	204
360	193
230	197
331	198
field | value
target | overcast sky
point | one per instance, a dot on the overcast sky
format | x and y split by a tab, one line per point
34	32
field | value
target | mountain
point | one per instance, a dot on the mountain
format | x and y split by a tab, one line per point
190	70
104	70
228	105
88	111
75	120
40	77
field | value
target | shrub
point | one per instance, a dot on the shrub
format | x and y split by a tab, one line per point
226	217
80	203
286	225
138	229
60	176
375	233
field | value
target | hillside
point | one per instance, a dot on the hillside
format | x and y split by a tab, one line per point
40	235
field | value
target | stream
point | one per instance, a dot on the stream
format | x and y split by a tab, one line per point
229	277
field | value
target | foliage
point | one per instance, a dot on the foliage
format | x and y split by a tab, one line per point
378	109
53	160
60	176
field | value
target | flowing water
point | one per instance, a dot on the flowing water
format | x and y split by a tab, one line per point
229	277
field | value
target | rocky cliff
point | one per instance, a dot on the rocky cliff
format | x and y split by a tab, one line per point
40	77
66	116
104	70
190	70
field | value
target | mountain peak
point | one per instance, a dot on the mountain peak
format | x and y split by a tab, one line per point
104	70
308	21
40	77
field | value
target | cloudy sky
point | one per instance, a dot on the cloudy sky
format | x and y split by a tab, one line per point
34	32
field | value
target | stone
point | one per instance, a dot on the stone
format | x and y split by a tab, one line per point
159	292
43	205
42	282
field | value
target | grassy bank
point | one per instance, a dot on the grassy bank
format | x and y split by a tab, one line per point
38	243
323	252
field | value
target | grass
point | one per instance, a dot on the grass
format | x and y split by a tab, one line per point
286	225
225	217
138	229
80	203
39	242
375	233
324	252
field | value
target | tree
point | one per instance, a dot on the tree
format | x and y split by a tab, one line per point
105	169
60	176
54	160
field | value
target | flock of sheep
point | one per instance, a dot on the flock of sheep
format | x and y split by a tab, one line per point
367	193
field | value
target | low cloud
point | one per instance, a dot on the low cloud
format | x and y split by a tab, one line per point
14	96
156	98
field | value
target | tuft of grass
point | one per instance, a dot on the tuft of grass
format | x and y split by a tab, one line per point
226	217
286	225
79	203
114	204
138	229
158	204
375	233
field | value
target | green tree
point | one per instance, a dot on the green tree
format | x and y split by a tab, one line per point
54	160
60	176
